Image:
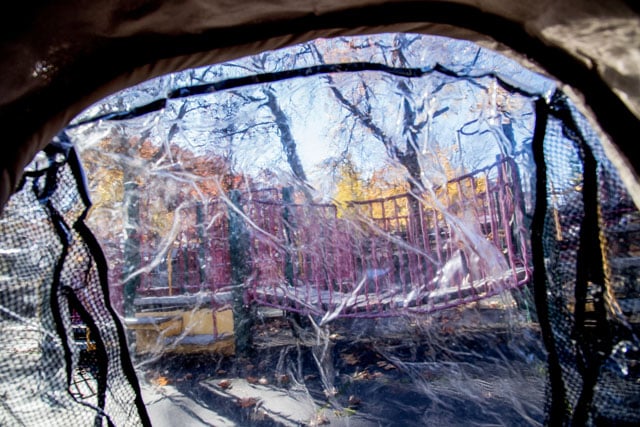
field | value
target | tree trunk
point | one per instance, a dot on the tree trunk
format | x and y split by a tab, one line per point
132	258
239	257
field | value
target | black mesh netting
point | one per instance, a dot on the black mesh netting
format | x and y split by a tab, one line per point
586	276
63	355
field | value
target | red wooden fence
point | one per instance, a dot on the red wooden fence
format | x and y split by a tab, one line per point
380	257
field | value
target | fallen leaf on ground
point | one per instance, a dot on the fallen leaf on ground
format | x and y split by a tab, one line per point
349	358
362	375
160	381
224	384
385	365
247	402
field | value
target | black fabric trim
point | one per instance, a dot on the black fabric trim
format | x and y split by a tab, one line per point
102	359
64	235
43	195
264	78
125	360
556	413
63	232
101	265
592	335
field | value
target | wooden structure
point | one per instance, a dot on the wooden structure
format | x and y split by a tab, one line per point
405	254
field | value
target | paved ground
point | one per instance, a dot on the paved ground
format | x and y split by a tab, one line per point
479	366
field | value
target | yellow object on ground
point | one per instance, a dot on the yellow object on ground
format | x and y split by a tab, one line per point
184	331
